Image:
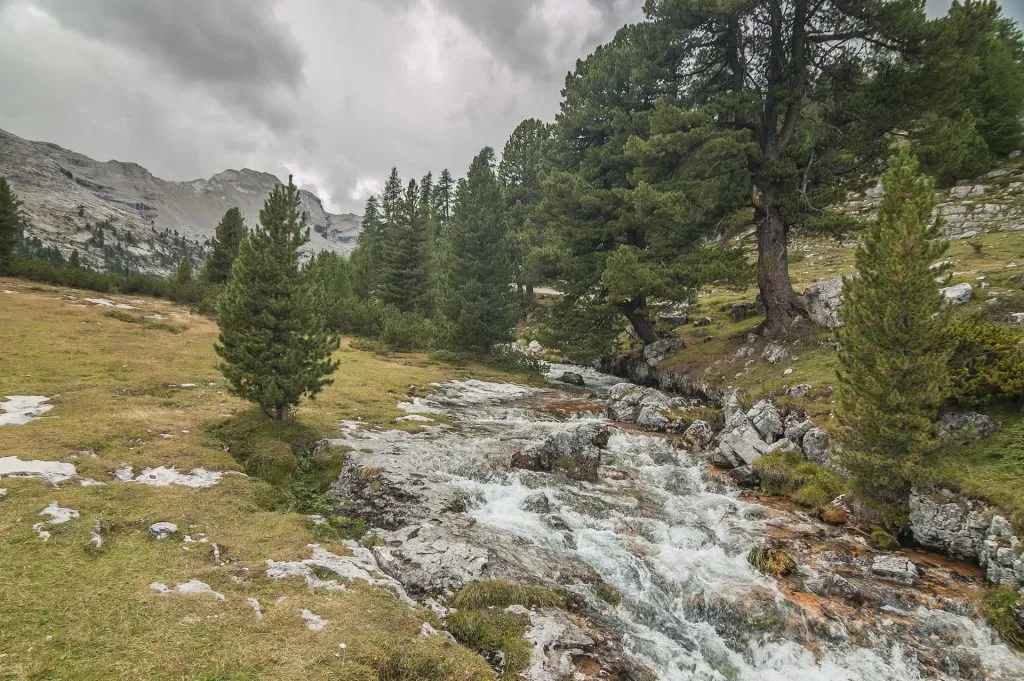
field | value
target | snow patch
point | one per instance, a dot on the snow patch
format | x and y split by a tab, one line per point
191	587
163	476
49	471
20	409
57	515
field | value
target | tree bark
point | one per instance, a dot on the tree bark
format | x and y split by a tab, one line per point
637	314
782	305
281	412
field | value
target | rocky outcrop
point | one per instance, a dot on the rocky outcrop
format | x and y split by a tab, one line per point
823	301
966	425
968	530
765	418
648	408
574	451
647	372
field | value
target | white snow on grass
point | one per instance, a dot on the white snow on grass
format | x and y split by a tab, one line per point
57	515
49	471
163	476
194	587
20	409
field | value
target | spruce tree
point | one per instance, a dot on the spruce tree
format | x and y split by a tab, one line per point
74	261
183	273
475	301
405	281
12	222
444	197
893	358
274	342
229	235
366	258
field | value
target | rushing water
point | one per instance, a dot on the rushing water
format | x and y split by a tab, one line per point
672	539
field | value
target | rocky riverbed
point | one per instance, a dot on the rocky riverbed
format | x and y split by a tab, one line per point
536	486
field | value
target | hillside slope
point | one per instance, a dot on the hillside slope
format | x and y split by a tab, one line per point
74	202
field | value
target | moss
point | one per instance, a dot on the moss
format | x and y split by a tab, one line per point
493	630
501	594
883	540
770	561
998	606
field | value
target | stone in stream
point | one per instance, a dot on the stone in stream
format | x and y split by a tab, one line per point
573	378
739	443
575	451
537	503
744	476
699	435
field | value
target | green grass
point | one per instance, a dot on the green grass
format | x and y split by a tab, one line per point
792	476
502	594
998	606
70	612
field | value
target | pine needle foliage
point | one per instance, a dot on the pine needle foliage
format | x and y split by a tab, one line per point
894	353
12	222
226	241
274	343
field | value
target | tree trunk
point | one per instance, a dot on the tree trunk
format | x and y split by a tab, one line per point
281	412
782	305
636	312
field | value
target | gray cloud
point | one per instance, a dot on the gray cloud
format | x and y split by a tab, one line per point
236	47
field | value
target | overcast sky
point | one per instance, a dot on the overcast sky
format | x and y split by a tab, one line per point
333	91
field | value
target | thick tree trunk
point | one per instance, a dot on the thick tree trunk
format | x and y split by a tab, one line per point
281	412
637	314
782	305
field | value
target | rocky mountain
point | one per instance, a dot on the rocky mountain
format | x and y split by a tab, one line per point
120	217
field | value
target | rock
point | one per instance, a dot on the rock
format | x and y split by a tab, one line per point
703	321
726	459
795	428
656	352
313	621
651	419
815	445
740	311
20	409
57	514
838	512
648	408
895	569
537	502
193	587
774	353
573	378
945	522
765	417
699	435
575	451
3	493
959	294
971	425
161	531
802	390
740	443
823	301
1015	318
744	476
1014	155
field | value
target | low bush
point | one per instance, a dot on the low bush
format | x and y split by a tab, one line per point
1003	611
792	476
987	363
405	331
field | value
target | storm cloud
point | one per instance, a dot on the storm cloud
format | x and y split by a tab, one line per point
334	92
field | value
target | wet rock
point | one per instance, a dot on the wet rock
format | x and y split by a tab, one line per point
537	502
575	451
970	425
945	522
744	476
726	459
765	417
739	443
161	531
573	378
815	446
699	435
959	294
823	301
896	569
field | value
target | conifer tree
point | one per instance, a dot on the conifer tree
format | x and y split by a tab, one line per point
229	235
183	273
404	276
12	222
475	301
444	197
893	374
74	261
390	199
274	342
366	258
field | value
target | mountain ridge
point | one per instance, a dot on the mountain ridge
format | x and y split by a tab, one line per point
120	216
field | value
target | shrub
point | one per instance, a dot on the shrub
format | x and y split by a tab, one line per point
999	606
806	483
405	331
987	363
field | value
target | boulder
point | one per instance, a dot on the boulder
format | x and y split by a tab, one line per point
161	531
959	294
726	459
744	476
1015	318
895	569
802	390
774	353
765	417
573	378
656	352
537	502
741	443
796	428
815	445
823	301
575	451
650	418
740	311
971	425
699	435
648	408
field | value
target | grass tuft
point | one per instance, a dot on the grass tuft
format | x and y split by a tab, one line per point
1003	611
773	562
501	594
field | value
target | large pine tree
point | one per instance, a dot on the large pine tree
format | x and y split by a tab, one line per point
475	301
405	280
226	241
274	342
12	222
893	358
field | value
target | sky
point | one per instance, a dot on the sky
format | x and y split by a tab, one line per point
334	92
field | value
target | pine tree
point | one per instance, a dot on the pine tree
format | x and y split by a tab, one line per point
366	258
523	165
183	273
893	373
229	235
444	197
390	199
274	342
405	281
12	223
475	301
74	261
